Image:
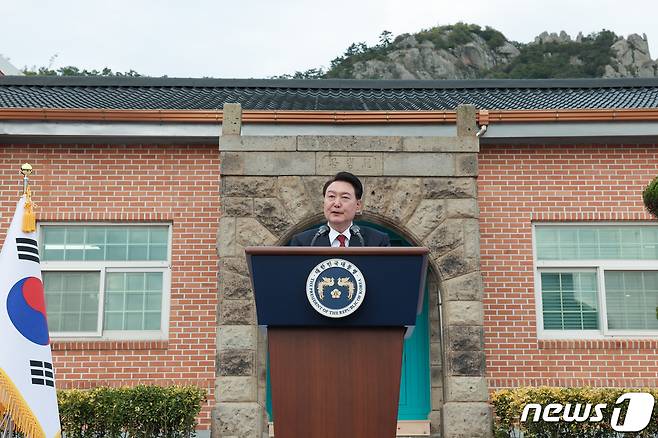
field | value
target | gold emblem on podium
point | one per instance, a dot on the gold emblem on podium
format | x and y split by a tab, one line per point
335	288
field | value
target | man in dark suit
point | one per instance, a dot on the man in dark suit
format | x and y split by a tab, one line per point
342	201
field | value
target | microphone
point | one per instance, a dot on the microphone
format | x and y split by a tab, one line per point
354	229
322	230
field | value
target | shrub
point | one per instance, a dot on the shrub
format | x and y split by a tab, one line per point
137	412
509	403
650	197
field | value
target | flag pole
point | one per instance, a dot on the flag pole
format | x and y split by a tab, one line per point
25	347
6	426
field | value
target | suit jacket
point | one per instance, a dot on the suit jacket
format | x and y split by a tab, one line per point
371	237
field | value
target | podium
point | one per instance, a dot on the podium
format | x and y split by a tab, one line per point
336	320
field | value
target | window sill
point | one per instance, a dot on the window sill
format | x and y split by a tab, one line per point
69	345
598	344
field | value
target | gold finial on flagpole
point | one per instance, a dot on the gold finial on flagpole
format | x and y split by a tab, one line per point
26	170
29	220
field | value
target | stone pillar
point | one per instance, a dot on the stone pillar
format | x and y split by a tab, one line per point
232	119
422	187
238	411
466	411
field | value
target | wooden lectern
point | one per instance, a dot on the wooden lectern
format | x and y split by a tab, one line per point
335	371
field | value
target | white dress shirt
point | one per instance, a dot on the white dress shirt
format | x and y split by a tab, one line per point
333	236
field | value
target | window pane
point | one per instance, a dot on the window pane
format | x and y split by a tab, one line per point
89	303
158	252
135	281
113	302
53	235
133	300
96	235
587	243
116	252
75	235
547	244
552	320
89	321
113	320
74	243
568	244
94	252
597	242
98	243
72	300
609	243
152	321
54	322
115	282
632	300
138	252
569	300
632	243
649	243
133	321
154	281
138	235
53	305
70	323
91	282
117	235
159	235
153	301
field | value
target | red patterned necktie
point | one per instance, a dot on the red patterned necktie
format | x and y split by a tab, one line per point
341	239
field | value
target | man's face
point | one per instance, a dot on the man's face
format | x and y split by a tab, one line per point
340	205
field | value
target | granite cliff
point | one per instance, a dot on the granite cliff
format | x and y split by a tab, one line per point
467	51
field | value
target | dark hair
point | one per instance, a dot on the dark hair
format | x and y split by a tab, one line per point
348	178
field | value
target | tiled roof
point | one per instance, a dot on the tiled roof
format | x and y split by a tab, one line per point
338	95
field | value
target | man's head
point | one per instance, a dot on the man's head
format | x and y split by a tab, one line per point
342	200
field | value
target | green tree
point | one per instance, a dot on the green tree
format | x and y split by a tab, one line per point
385	38
70	70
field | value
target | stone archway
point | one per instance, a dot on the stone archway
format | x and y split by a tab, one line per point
424	187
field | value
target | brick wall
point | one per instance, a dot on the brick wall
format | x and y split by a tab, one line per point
138	183
521	184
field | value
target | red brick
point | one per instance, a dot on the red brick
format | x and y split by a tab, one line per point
133	183
521	184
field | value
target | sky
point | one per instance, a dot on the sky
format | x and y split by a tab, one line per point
265	38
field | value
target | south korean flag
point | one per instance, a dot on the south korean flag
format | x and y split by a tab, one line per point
27	377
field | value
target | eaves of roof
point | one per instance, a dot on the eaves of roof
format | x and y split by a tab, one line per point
484	117
174	100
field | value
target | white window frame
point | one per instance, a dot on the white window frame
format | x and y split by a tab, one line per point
600	266
117	266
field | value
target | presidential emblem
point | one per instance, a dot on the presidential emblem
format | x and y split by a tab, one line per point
335	288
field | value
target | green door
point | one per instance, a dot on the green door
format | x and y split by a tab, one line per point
415	378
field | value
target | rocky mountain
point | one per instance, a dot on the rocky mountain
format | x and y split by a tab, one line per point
466	51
